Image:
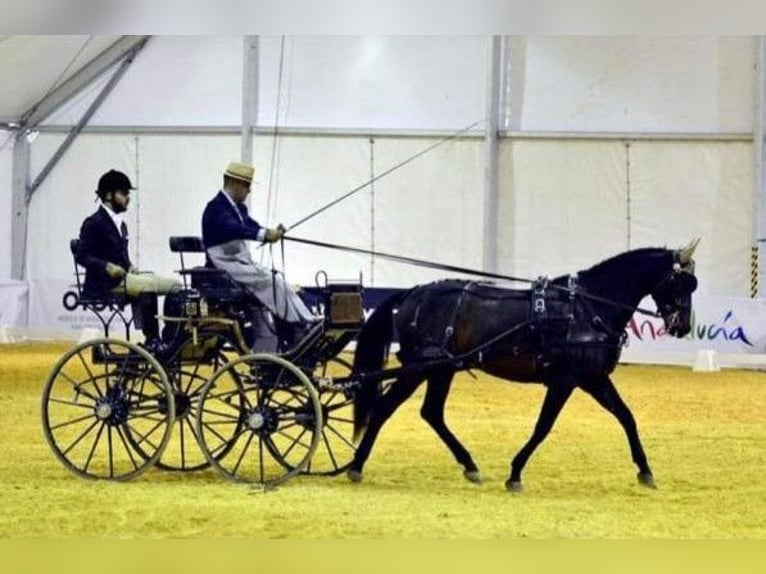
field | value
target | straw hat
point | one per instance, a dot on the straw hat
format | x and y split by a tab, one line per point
240	171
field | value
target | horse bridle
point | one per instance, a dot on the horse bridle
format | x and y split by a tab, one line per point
671	319
678	270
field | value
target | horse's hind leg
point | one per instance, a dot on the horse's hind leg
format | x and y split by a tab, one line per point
555	398
433	412
396	394
605	393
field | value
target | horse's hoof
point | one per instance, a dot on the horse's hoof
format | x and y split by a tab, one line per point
473	476
513	486
354	475
646	479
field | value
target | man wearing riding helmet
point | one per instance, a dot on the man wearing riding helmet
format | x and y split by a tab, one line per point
103	251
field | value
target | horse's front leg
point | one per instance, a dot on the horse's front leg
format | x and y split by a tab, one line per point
432	412
559	391
396	394
605	393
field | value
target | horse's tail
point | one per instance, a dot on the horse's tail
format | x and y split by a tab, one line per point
372	347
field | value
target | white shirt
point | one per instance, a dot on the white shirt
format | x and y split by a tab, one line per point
117	218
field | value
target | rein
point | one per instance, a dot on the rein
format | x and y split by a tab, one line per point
474	272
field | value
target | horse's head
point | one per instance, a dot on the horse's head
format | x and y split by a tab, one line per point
673	295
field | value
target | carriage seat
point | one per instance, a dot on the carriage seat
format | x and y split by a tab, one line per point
96	302
212	283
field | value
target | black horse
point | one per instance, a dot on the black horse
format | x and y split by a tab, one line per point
564	333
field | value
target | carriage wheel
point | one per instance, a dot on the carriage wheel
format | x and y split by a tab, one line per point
107	410
336	448
266	413
188	377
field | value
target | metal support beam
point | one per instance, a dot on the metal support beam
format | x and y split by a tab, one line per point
19	208
125	48
758	258
249	96
515	69
489	231
75	131
92	70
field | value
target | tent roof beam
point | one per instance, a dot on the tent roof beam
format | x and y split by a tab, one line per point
126	45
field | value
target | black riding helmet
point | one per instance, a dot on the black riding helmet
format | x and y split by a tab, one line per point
112	180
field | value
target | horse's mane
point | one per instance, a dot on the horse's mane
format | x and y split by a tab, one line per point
627	260
618	265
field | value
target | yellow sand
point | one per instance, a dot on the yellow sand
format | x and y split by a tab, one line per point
704	434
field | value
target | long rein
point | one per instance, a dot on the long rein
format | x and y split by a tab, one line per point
475	272
463	360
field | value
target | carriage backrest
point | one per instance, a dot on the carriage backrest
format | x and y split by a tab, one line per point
182	244
106	307
213	282
73	245
106	299
186	244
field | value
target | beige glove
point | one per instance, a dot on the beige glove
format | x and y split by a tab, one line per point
115	271
274	235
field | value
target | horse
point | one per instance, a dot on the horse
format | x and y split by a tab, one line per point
565	333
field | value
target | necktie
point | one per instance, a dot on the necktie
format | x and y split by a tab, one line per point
124	230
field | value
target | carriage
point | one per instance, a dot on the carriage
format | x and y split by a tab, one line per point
113	409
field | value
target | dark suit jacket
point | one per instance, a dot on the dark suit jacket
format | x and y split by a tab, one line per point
220	222
101	243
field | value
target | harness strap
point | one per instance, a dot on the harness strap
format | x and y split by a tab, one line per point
449	331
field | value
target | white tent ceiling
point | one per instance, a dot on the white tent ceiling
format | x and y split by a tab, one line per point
32	66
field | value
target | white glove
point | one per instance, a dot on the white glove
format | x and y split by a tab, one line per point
115	271
274	235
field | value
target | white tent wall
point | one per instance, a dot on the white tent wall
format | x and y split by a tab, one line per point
349	82
382	82
567	200
561	205
682	190
638	84
174	80
431	210
565	205
30	66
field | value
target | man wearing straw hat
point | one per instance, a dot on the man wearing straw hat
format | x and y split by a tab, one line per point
226	226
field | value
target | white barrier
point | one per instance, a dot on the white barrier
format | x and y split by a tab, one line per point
705	362
734	329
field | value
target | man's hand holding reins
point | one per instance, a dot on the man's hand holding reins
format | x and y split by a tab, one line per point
274	235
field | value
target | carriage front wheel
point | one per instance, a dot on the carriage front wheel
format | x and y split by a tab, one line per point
266	413
337	448
107	410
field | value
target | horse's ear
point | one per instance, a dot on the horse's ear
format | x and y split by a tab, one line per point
685	253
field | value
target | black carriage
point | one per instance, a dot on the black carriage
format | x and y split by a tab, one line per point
112	409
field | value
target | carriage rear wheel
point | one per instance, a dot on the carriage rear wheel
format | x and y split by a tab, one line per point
265	413
107	410
187	375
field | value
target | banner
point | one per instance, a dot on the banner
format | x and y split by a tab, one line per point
13	303
53	310
726	325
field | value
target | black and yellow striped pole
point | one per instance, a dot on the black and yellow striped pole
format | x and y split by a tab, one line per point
754	272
